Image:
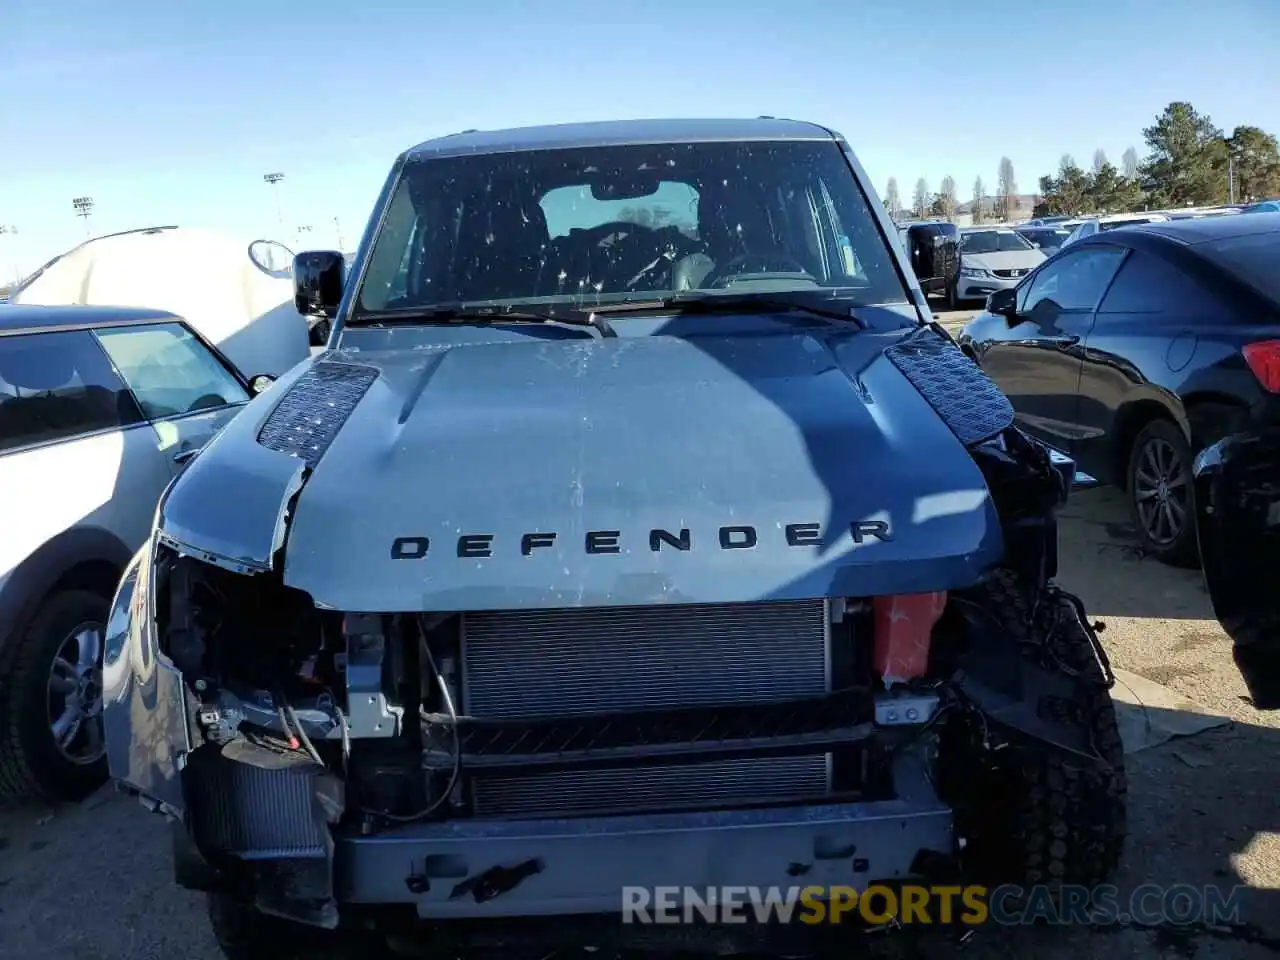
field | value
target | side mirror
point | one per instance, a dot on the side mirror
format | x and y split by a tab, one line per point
261	383
1003	303
317	282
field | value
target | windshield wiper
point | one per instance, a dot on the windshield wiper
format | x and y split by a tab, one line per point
712	303
462	314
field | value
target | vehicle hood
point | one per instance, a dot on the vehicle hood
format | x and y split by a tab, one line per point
1003	259
577	450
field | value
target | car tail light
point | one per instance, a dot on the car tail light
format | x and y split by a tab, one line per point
1264	360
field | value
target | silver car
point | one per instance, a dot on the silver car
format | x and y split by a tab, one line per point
993	258
100	407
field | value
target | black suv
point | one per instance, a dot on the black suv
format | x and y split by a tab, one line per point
934	251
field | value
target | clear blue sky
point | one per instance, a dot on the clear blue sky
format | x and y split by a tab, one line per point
170	111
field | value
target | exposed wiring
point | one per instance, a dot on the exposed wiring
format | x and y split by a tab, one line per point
346	737
452	715
297	736
294	743
302	734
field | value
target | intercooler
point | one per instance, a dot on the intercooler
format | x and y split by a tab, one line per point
582	663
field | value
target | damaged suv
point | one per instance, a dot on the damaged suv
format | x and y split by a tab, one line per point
637	528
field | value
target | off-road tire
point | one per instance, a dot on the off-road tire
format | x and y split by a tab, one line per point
320	333
1045	818
31	766
953	301
1185	550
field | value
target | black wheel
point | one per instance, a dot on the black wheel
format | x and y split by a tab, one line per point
51	737
1040	817
1160	492
953	301
320	333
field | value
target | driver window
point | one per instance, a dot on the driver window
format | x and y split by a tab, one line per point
387	273
1075	282
169	370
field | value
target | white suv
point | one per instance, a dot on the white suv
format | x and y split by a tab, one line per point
100	407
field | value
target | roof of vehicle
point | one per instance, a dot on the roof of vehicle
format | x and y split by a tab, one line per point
940	224
616	133
1113	217
1203	229
983	227
26	318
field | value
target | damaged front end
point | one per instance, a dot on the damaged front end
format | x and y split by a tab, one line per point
497	764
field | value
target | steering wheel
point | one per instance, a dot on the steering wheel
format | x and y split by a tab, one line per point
756	263
598	233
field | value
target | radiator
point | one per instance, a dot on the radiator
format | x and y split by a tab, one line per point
579	662
697	786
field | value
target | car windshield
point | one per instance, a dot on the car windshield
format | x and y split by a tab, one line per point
993	241
1046	238
1253	258
585	227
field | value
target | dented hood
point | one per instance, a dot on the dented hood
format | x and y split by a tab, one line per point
535	472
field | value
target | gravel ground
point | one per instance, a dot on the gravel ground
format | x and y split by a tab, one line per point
93	882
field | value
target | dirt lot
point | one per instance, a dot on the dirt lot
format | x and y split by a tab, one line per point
92	883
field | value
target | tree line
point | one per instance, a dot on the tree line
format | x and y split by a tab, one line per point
1189	162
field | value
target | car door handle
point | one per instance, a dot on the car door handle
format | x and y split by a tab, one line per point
182	456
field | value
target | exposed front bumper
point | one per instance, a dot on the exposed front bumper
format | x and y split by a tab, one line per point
582	866
262	826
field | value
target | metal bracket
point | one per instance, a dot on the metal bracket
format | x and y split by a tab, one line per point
905	709
369	714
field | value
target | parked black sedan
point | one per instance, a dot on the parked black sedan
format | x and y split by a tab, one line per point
1135	348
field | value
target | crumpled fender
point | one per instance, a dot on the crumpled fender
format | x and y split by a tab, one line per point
1017	695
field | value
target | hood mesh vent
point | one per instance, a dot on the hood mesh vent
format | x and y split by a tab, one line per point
313	410
966	399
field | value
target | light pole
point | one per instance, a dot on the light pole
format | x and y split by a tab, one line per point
301	231
274	179
1231	173
338	228
5	231
84	208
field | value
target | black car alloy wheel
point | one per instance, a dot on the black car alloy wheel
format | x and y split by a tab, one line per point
1160	493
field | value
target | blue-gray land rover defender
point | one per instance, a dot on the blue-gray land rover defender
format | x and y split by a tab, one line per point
637	528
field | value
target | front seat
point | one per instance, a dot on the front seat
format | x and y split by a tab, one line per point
719	244
506	250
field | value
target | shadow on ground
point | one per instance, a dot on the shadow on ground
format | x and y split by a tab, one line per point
1101	559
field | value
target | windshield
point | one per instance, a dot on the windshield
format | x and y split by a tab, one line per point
1046	238
993	241
594	226
1254	258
